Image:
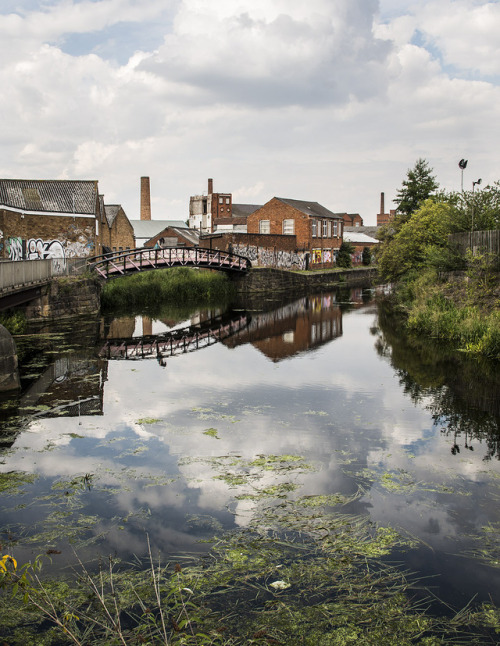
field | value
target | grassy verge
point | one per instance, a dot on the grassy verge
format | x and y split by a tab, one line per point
176	285
463	311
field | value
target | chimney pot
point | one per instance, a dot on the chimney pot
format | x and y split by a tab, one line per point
382	204
210	186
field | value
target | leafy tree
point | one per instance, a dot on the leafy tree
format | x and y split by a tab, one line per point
418	186
366	256
478	211
417	240
344	255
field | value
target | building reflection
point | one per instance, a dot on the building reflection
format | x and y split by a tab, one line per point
300	326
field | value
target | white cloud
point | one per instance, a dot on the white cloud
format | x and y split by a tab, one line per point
318	100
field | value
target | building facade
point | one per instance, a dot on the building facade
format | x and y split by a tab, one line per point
50	219
318	231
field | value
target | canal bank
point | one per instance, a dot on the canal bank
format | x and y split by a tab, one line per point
265	280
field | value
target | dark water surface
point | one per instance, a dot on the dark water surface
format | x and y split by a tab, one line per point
119	432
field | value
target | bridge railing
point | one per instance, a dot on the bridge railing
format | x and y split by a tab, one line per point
116	264
19	273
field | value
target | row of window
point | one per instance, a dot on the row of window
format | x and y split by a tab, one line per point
320	228
326	229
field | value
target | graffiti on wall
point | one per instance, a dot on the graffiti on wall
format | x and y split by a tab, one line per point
14	248
262	257
38	249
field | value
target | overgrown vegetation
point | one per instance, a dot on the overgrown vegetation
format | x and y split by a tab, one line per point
14	322
154	288
415	254
308	575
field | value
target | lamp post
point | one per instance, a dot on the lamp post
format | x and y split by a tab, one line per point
462	164
473	185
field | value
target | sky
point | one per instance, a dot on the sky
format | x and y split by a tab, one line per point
326	100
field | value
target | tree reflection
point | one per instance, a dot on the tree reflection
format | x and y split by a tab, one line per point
461	393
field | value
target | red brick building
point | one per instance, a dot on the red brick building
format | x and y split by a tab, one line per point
318	231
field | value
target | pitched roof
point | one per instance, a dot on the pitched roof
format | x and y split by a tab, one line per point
312	209
359	237
244	210
149	228
111	211
50	196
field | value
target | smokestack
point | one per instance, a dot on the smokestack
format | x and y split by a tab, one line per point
382	205
145	199
210	186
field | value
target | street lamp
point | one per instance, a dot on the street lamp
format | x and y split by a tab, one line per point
473	185
462	164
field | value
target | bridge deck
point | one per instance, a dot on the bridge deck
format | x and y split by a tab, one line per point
132	261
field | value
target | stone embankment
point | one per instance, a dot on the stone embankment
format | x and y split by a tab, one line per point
276	280
66	298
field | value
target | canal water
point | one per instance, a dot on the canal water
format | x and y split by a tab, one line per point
185	427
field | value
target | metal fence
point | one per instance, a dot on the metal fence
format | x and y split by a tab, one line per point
479	242
20	273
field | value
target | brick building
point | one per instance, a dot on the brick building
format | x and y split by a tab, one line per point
50	219
352	219
118	235
382	217
318	231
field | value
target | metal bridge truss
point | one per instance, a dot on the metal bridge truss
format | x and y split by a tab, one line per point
169	344
127	262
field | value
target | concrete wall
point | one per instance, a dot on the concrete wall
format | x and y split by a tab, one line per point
66	298
263	250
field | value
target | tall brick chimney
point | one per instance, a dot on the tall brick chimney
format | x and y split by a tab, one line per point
210	186
382	204
145	199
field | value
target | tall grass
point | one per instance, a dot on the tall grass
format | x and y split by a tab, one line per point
453	313
175	285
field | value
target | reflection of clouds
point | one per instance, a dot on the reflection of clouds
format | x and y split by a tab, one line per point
340	401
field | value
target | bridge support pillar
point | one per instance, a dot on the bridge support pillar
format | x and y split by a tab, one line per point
9	373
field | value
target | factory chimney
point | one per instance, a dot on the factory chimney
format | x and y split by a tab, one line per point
145	199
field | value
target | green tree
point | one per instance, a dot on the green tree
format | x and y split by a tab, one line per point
417	240
418	186
366	256
476	211
344	255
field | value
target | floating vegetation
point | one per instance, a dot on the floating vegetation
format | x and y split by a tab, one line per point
13	482
148	420
486	546
212	432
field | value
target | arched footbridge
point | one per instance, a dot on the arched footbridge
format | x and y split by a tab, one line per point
145	259
180	341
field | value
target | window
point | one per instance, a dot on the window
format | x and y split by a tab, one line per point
264	226
314	226
288	227
221	200
329	234
325	228
227	200
335	229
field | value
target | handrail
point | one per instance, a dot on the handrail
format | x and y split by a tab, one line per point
125	262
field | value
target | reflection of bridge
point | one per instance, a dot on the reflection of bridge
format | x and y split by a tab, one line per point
132	261
168	344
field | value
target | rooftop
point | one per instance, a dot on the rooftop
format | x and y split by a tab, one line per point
50	196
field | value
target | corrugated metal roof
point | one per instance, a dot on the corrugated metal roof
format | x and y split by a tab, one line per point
53	196
146	229
312	209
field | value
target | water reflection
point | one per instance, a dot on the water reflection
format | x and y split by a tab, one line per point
220	435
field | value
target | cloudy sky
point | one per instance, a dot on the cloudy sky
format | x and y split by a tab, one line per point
325	100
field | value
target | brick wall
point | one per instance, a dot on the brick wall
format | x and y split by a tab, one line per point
321	250
34	236
121	233
262	250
